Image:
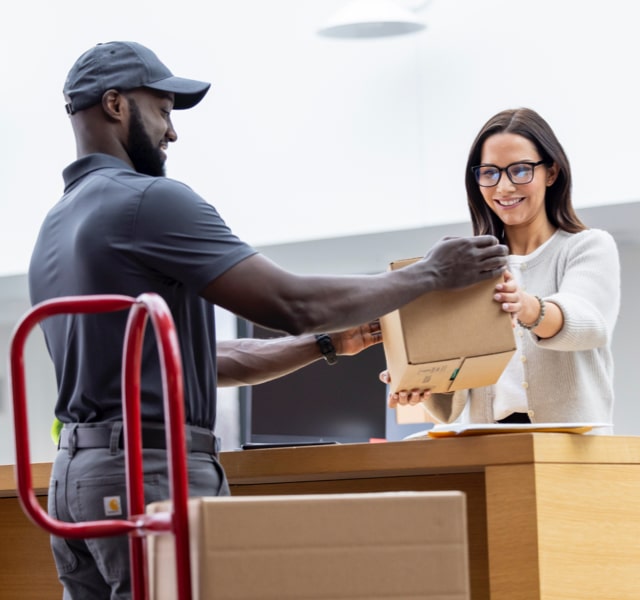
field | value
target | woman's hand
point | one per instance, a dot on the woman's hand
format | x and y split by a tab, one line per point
510	297
403	397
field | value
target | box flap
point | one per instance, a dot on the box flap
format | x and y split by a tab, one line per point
479	371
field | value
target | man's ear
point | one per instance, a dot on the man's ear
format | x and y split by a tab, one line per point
115	105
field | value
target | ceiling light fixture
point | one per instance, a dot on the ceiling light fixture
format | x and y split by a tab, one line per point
373	19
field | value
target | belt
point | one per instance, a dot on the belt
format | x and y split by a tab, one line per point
198	439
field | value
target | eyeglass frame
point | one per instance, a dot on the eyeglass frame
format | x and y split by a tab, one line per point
506	170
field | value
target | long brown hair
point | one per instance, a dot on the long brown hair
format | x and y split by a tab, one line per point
529	124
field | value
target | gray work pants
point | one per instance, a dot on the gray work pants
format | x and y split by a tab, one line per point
89	485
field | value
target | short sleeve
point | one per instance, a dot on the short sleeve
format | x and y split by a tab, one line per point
182	236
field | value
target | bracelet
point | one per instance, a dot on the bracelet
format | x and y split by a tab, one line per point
326	347
540	316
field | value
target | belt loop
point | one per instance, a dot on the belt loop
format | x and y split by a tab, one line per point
217	443
72	439
114	438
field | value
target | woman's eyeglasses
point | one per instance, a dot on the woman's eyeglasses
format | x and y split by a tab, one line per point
518	173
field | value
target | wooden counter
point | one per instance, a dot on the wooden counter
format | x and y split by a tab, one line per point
27	571
551	516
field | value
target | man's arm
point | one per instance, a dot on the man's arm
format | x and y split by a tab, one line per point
262	292
249	361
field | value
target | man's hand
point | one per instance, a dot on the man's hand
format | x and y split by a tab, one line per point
355	340
457	262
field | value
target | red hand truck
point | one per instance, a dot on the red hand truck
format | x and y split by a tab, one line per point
137	525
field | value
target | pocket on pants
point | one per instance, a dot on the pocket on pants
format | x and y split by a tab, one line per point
101	498
105	498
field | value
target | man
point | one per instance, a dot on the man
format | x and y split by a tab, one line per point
121	227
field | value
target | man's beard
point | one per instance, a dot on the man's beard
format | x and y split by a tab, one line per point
146	158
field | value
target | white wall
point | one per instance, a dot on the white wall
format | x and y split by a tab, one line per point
625	344
39	375
342	137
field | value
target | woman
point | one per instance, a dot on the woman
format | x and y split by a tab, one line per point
562	288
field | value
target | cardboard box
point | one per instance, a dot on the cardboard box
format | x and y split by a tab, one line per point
387	545
448	340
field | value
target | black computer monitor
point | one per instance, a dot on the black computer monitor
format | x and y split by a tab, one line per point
343	403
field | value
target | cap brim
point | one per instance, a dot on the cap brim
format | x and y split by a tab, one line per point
188	92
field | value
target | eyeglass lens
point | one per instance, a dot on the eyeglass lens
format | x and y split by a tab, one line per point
518	173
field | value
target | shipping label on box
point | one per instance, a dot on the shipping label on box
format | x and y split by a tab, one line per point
448	340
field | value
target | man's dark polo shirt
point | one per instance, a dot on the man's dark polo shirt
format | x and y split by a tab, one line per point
116	231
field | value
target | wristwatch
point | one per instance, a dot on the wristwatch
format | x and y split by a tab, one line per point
326	347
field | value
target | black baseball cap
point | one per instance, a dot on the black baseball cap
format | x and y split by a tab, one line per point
125	66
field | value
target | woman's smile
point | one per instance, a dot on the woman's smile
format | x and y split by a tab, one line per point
508	202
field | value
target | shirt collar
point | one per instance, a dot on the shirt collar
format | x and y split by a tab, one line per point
92	162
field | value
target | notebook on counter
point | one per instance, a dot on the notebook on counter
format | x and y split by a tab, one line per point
463	429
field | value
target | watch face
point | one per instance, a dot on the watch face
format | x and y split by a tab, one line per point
326	347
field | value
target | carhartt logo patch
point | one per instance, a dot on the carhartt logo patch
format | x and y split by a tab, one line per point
112	506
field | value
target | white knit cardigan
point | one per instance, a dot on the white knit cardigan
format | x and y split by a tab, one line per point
570	376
